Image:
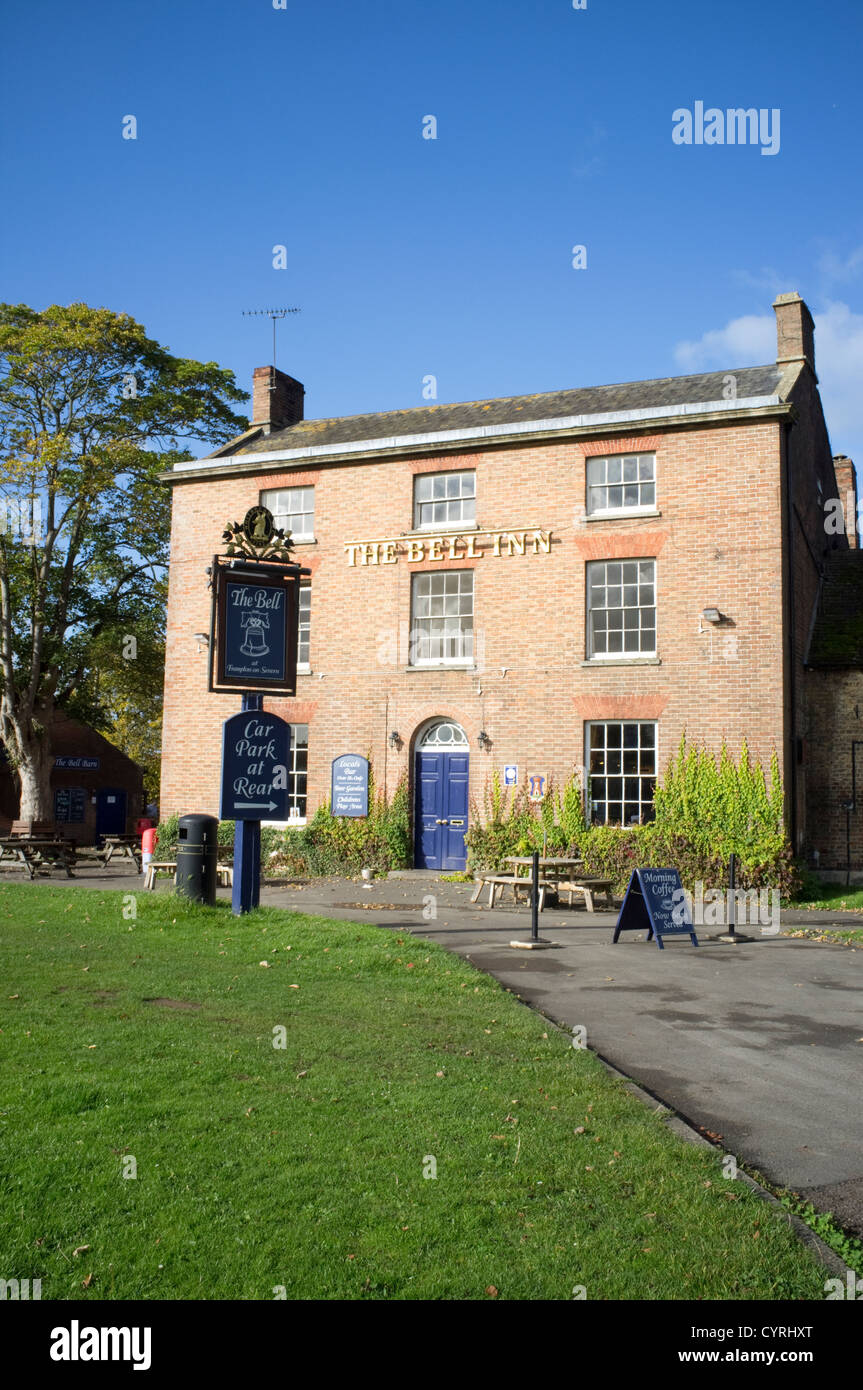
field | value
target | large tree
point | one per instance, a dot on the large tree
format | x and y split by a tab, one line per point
91	411
121	695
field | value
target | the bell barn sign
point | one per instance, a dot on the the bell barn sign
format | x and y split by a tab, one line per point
475	545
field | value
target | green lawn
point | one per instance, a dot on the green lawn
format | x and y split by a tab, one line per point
826	897
303	1167
829	897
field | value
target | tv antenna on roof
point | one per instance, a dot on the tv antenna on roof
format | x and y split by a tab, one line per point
274	314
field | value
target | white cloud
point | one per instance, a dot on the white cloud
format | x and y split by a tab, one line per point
751	341
767	279
839	363
834	267
746	342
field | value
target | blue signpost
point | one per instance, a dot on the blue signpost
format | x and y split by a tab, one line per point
256	753
350	785
254	625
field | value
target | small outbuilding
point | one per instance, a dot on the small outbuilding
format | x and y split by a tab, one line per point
97	790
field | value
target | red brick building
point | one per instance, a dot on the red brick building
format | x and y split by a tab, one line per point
96	789
548	583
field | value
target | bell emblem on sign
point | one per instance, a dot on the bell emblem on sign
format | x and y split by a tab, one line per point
255	643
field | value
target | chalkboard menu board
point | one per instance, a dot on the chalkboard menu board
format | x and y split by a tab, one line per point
350	785
69	804
655	900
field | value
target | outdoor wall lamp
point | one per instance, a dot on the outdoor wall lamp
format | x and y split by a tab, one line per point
395	739
202	639
711	615
484	740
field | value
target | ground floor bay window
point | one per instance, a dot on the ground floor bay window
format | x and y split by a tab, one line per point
621	769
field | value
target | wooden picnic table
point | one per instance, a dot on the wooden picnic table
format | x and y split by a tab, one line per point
124	846
496	883
548	866
558	874
35	852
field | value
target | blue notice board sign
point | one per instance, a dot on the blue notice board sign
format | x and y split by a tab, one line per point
350	786
256	756
655	899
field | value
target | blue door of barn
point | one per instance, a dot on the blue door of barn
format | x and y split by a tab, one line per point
110	811
441	798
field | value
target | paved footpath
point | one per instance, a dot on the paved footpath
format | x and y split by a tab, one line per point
760	1044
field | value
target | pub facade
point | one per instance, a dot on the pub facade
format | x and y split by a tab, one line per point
538	586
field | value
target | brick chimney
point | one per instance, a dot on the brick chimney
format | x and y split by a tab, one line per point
795	331
846	484
277	399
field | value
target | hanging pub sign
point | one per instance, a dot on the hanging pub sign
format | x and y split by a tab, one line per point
350	786
254	626
655	900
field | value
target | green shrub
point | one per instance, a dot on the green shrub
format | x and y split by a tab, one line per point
344	844
169	832
705	811
508	823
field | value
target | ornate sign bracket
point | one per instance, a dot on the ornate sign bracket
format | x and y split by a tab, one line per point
257	537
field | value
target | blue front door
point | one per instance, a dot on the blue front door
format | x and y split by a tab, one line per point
441	810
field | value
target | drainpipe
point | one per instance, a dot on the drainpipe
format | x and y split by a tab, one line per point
791	742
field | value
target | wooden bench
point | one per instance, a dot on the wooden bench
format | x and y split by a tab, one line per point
224	873
498	882
166	865
587	887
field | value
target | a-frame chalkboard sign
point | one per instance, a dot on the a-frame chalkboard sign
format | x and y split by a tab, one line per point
655	899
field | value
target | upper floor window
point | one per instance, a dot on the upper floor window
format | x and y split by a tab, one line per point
621	608
442	618
444	499
294	509
625	482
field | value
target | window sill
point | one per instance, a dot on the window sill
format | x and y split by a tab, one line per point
627	514
442	666
304	540
303	670
453	529
623	661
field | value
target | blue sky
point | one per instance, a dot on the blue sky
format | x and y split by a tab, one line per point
302	126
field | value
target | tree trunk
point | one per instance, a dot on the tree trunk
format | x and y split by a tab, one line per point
34	763
37	799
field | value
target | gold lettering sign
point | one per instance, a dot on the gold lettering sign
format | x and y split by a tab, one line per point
444	549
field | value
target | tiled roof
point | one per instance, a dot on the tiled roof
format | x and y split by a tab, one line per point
547	405
837	638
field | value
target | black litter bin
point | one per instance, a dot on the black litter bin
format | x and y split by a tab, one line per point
197	858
